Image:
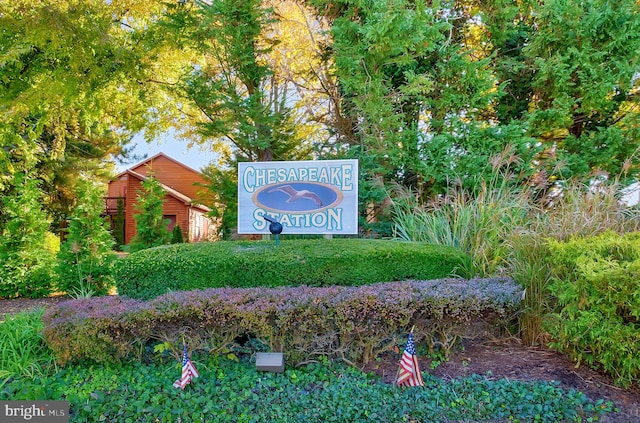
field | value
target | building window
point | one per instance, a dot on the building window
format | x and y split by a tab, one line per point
171	218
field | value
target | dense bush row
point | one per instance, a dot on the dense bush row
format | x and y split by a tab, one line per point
599	297
351	262
355	324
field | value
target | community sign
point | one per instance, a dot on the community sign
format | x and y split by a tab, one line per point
306	197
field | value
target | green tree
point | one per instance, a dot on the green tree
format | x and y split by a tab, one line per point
118	224
151	227
435	92
568	73
585	88
25	266
507	28
223	184
73	90
419	96
176	235
244	103
86	256
229	88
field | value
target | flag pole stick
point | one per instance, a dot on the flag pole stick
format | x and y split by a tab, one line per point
397	373
184	346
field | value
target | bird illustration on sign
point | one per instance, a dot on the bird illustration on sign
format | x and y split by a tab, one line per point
295	195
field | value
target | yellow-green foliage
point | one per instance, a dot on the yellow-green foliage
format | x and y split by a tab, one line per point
598	318
51	243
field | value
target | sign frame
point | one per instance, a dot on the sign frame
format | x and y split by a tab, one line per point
306	197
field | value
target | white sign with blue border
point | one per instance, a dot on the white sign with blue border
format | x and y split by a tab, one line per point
306	197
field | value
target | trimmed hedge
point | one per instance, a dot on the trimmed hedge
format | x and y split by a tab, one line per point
598	320
355	324
347	262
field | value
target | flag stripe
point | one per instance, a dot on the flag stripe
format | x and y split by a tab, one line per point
409	370
188	371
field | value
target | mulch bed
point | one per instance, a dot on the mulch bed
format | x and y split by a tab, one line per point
508	359
24	304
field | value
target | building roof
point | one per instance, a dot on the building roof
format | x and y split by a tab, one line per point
170	191
150	159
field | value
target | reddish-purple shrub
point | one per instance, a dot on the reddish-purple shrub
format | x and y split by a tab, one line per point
93	328
355	324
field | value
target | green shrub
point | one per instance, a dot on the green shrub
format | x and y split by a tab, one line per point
598	294
26	266
151	227
51	243
85	259
147	274
176	235
355	324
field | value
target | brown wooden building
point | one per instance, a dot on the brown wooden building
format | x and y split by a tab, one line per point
180	207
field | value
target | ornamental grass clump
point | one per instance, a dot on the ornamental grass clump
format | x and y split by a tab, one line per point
22	352
354	324
583	210
474	223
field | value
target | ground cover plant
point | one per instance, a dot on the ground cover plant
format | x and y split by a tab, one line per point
231	389
182	267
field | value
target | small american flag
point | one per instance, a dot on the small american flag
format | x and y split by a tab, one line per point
409	371
188	371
